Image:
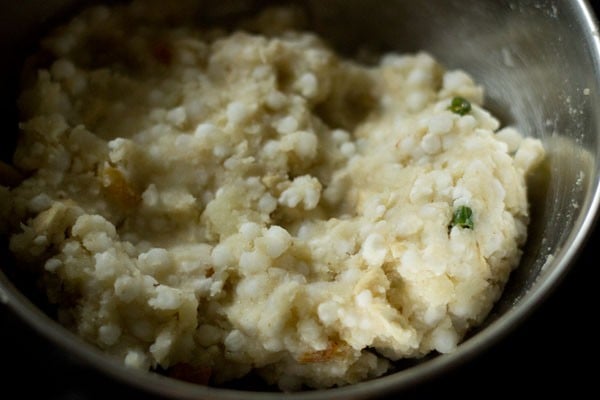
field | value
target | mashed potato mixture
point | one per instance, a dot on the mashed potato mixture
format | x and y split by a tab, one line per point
209	202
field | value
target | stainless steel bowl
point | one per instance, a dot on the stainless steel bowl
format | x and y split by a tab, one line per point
540	64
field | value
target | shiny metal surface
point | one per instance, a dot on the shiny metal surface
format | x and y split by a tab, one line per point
540	64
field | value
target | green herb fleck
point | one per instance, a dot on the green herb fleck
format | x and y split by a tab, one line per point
460	106
463	218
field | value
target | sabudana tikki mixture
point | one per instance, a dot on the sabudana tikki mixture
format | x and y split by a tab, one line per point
212	202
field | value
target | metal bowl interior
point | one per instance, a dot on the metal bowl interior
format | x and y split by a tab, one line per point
540	65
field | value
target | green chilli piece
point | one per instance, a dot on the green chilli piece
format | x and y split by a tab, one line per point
463	218
460	106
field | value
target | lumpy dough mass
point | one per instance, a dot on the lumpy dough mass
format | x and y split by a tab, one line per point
249	200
